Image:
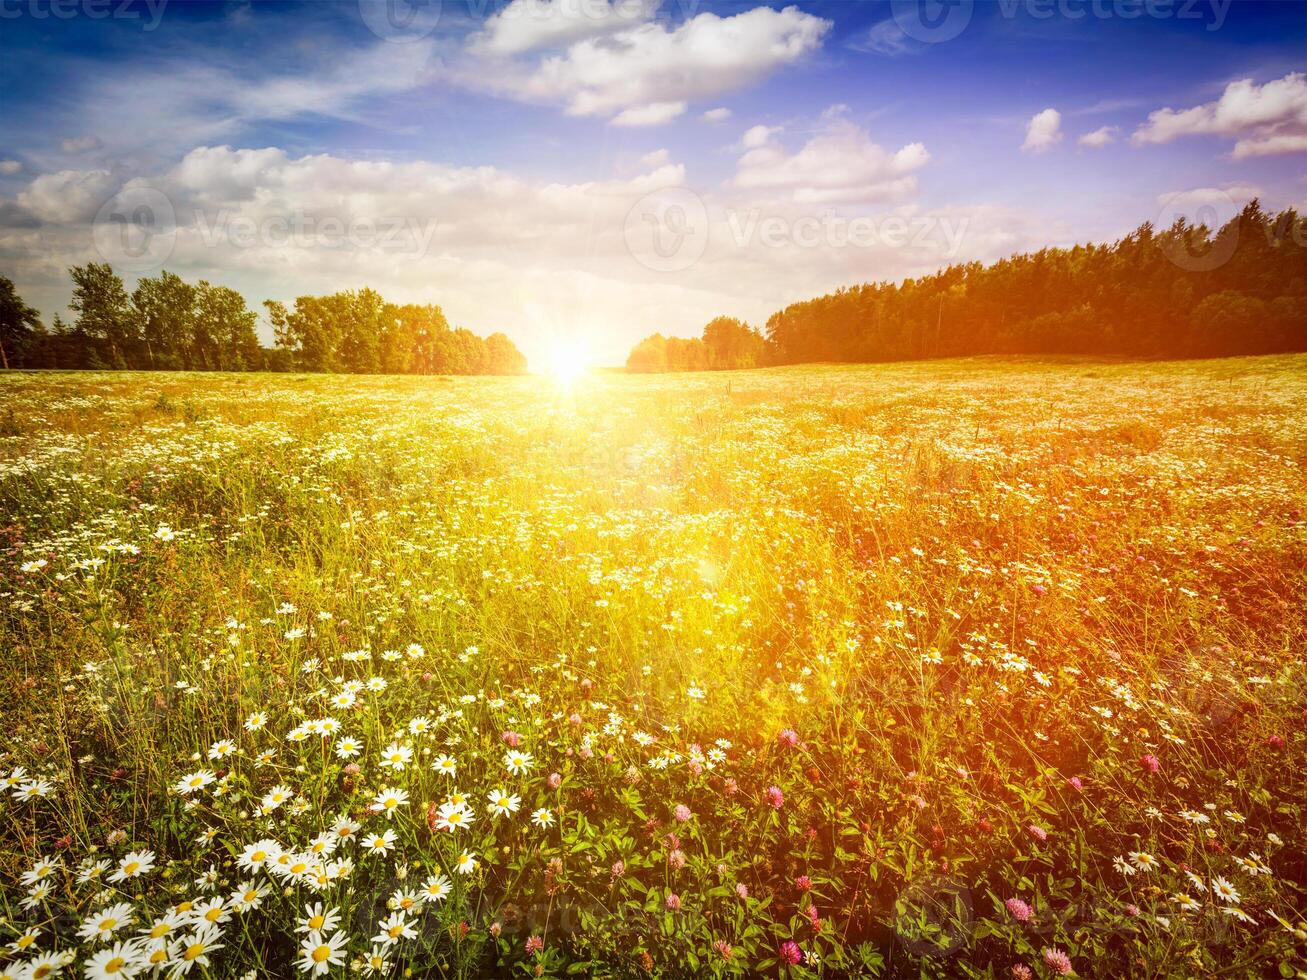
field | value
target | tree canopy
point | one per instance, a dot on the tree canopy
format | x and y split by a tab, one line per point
1187	291
168	323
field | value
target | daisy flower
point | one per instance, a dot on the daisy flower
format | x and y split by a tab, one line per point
389	800
502	804
466	863
106	922
396	756
452	816
445	765
517	762
133	865
436	888
319	954
379	843
1225	891
393	929
543	818
319	919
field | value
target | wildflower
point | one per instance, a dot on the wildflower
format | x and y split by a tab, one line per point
502	803
534	944
517	762
1187	903
682	813
436	888
1150	763
790	953
542	818
1143	860
379	843
445	765
319	954
466	863
673	902
1056	960
1225	891
389	800
453	816
133	865
195	949
1020	910
319	919
775	798
393	929
396	757
788	737
120	960
195	781
103	924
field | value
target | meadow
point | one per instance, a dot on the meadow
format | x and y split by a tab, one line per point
974	668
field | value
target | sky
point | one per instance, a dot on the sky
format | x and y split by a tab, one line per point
583	173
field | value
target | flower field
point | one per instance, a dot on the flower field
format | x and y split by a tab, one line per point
961	669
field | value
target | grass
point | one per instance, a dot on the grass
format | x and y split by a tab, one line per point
963	668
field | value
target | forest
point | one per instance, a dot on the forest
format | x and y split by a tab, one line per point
1183	292
166	323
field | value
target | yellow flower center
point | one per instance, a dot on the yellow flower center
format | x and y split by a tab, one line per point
114	965
315	923
161	929
130	867
192	951
213	915
321	953
394	931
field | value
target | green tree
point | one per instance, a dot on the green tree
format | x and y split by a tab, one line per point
166	309
20	326
104	314
226	325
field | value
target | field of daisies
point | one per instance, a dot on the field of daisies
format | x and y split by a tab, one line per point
958	669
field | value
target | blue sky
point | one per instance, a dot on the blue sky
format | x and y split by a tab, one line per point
584	172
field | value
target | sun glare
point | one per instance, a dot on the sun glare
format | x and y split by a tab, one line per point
568	361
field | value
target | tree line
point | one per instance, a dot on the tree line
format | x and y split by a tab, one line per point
1187	291
166	323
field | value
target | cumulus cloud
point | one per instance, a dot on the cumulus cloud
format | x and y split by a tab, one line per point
757	136
653	114
1043	132
717	115
624	73
8	167
1264	119
1103	136
526	25
80	144
68	196
839	164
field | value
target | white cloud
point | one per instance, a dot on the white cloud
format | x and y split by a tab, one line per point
757	136
1265	119
80	144
716	115
839	164
8	167
653	114
885	38
526	25
1043	132
656	158
69	195
1103	136
624	72
1197	197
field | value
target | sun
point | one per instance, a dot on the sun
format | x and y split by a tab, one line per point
568	360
